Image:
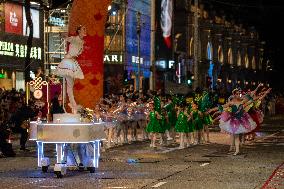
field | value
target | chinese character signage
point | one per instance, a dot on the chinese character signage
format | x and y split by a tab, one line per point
13	37
56	21
13	18
19	50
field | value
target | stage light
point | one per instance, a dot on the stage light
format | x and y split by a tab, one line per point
34	3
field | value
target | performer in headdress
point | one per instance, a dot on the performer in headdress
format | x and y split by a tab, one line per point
235	120
255	112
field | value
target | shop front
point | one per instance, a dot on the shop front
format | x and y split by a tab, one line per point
13	47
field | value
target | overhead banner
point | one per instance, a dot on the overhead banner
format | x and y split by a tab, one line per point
13	18
166	20
2	17
92	15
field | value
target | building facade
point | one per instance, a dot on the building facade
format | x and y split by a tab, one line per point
228	55
13	44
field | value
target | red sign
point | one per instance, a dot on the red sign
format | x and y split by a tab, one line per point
2	16
13	18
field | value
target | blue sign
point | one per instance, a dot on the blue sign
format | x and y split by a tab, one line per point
144	7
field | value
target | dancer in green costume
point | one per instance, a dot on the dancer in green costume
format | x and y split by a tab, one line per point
154	125
204	105
172	118
182	126
196	120
164	126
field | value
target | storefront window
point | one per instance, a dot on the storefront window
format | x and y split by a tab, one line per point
230	56
220	54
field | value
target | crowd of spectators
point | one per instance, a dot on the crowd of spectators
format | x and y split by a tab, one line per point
14	113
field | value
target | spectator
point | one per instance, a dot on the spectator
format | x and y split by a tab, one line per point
18	119
56	105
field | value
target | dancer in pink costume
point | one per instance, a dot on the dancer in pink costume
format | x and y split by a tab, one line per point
235	120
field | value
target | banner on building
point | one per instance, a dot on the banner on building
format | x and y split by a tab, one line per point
132	54
166	20
13	18
35	20
2	17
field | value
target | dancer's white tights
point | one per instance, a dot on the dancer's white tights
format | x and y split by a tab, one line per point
69	89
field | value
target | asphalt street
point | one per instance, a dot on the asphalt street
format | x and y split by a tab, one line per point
139	166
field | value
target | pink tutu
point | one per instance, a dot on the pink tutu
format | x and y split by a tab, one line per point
69	68
235	125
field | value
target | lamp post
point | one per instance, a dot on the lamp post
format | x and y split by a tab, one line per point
153	22
195	40
138	30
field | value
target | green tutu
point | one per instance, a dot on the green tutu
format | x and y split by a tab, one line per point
197	121
207	119
182	124
164	124
154	125
172	115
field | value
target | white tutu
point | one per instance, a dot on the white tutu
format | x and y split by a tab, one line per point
110	122
70	68
139	116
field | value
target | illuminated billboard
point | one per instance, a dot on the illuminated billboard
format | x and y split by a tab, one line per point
13	42
35	19
132	59
2	17
13	18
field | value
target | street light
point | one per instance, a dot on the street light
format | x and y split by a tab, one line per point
138	30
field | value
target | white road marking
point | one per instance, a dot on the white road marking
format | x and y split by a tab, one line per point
48	186
159	184
28	183
204	164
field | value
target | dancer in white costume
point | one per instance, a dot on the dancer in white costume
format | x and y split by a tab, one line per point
69	68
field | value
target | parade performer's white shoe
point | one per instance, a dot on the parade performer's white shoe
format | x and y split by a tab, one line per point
236	153
181	147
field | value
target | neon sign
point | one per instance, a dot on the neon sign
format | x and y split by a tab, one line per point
56	21
19	50
113	58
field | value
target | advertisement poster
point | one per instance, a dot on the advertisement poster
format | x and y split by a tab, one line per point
35	19
13	18
2	17
132	38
